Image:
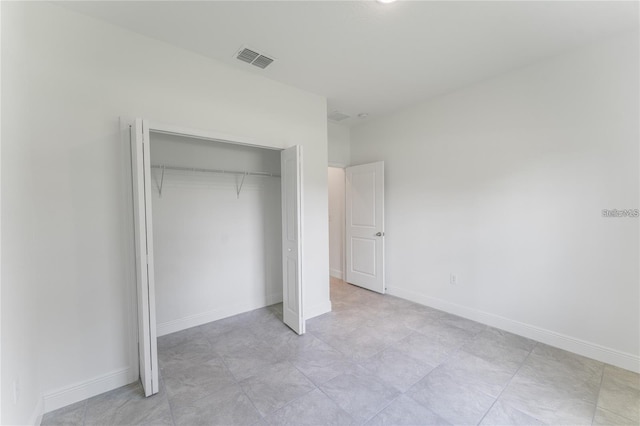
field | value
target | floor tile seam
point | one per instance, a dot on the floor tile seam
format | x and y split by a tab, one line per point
173	418
327	343
454	351
421	362
233	377
289	402
474	333
112	416
497	366
84	413
562	374
497	398
168	374
384	407
614	413
454	347
433	410
595	410
251	402
434	365
622	384
558	363
335	402
384	348
291	364
237	383
598	406
209	379
307	377
385	382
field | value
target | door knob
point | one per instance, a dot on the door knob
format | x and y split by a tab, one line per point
378	234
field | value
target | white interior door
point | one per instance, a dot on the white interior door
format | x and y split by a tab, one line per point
364	194
147	341
291	170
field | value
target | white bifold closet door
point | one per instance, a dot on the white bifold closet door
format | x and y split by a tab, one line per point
147	339
291	172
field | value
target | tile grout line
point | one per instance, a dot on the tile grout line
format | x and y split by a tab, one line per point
616	414
294	399
235	380
359	364
454	351
451	354
595	410
233	377
331	399
509	382
173	418
384	407
84	414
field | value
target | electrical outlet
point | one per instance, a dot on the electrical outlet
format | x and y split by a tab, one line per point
453	279
16	391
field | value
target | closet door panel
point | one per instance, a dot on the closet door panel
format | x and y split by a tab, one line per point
147	342
291	170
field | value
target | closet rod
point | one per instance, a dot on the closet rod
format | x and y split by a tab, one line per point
194	169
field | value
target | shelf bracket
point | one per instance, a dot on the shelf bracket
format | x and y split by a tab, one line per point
239	188
161	182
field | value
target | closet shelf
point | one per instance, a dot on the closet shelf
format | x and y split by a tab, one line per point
194	169
244	174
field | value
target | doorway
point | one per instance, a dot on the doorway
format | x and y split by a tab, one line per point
356	225
336	185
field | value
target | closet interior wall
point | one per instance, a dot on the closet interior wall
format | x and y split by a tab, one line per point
217	239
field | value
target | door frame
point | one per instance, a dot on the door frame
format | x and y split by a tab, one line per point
207	135
343	259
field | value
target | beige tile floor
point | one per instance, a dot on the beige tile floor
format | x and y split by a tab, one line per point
375	360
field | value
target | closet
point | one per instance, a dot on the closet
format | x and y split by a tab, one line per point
217	230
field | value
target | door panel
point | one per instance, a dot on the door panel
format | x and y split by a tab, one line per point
365	226
363	204
364	255
291	170
147	341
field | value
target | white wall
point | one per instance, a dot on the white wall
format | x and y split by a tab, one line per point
216	254
20	302
336	221
339	147
503	183
66	211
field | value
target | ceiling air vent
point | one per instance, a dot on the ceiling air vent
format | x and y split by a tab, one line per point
337	116
252	57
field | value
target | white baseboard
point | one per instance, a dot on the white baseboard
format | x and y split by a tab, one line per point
217	314
315	310
38	412
274	298
552	338
336	273
206	317
83	390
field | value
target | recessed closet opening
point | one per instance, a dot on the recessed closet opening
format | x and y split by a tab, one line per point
217	226
218	232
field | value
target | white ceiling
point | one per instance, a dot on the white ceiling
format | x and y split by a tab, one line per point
369	57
